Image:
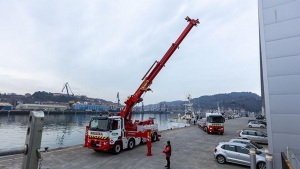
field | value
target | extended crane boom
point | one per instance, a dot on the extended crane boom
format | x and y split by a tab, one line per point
132	100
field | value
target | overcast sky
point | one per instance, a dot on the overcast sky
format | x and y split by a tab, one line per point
104	47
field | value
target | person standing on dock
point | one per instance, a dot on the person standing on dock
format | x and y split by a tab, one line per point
167	151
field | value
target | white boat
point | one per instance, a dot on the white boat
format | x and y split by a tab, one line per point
189	112
186	120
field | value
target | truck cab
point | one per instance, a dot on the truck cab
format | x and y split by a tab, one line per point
213	123
108	133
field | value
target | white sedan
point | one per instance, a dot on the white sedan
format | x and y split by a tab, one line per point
256	124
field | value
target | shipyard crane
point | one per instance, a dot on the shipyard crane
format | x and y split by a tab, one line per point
67	87
118	99
115	133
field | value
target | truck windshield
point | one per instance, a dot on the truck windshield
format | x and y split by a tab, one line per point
215	119
99	125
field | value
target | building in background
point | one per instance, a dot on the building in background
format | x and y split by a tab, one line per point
43	107
5	106
279	26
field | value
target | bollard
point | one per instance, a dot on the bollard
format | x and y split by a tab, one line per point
86	136
252	158
269	159
32	157
149	144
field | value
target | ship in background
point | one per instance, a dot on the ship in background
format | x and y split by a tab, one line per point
189	112
187	119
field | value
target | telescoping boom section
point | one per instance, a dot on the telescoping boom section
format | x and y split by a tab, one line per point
151	74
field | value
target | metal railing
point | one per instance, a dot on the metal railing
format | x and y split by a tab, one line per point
31	150
292	158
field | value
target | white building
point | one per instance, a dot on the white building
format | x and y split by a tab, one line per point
279	23
43	107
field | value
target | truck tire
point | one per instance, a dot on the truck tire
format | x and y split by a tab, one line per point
131	144
154	137
205	129
117	148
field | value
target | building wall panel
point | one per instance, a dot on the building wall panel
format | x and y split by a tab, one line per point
272	3
282	13
284	66
283	48
285	104
283	30
282	124
283	85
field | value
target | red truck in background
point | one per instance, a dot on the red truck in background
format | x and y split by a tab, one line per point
212	123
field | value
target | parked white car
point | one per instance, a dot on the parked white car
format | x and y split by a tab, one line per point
250	143
237	153
256	124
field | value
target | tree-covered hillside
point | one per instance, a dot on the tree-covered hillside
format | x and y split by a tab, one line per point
235	100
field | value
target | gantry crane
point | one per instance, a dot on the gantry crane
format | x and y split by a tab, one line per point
67	87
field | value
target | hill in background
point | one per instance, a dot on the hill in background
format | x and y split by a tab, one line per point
235	100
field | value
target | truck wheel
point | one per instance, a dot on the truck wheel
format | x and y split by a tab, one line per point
250	126
131	144
154	137
117	148
205	129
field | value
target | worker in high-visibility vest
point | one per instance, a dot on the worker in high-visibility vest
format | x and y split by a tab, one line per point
167	151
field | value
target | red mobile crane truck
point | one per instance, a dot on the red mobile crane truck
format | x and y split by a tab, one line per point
115	133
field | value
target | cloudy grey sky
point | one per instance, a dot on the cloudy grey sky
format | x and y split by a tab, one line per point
104	47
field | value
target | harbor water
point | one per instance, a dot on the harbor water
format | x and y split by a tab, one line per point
60	130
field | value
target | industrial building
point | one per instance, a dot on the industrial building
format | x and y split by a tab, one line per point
5	106
43	107
86	107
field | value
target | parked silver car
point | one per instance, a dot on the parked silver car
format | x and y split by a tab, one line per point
237	153
256	124
250	143
254	135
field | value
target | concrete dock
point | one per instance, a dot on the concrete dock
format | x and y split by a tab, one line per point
192	148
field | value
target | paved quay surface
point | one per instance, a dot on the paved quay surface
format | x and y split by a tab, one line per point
192	148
